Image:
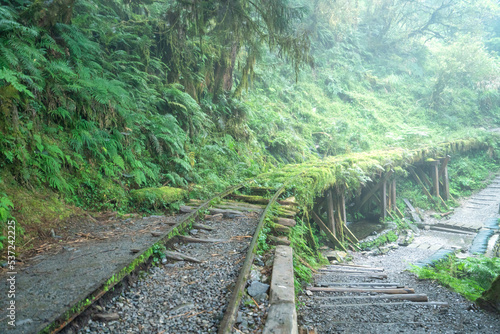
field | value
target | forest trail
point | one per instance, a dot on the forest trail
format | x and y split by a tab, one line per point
369	312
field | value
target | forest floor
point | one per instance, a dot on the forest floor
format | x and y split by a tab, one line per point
323	310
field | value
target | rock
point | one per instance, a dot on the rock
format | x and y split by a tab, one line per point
107	316
335	255
427	227
256	288
164	261
239	318
255	275
262	297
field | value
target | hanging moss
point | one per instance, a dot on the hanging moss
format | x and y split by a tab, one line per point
350	171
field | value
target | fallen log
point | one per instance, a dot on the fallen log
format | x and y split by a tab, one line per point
386	291
411	297
180	257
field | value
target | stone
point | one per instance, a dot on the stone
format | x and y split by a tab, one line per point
239	318
262	297
257	288
255	275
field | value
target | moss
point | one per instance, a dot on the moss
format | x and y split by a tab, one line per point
350	171
154	198
381	240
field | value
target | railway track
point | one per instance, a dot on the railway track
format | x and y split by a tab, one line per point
201	284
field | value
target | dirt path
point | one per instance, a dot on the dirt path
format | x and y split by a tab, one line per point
66	272
328	313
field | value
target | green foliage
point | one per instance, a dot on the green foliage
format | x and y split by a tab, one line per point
469	277
262	244
381	240
304	252
159	253
155	198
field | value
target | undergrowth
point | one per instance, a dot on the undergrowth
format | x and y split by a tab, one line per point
468	277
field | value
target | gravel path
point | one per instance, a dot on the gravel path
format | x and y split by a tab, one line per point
318	310
182	297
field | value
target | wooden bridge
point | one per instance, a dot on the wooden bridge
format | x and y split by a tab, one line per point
367	183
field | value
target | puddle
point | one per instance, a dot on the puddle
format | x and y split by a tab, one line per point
365	228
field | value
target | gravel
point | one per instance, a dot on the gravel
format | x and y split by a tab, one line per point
182	297
319	311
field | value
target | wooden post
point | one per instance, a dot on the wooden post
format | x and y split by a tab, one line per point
383	207
443	173
329	210
435	178
393	195
328	232
374	190
342	207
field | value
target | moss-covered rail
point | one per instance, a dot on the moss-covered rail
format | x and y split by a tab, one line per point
229	318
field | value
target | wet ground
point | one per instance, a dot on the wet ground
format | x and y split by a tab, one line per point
328	313
66	271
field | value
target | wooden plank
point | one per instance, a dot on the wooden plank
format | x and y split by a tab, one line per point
414	297
440	304
348	284
357	266
413	212
328	233
341	268
359	290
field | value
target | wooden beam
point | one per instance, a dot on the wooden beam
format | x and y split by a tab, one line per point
413	212
359	290
443	173
330	213
426	192
328	233
374	190
383	200
423	177
393	195
435	179
444	164
342	207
